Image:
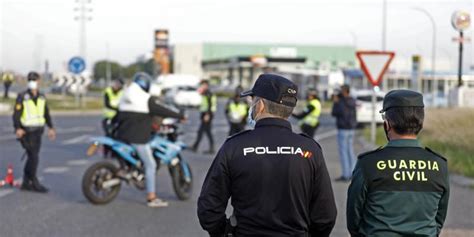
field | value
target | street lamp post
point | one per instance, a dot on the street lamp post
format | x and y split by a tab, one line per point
433	52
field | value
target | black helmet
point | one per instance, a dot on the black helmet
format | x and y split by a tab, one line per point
33	76
143	80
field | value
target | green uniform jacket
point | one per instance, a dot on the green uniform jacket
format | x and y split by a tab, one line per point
399	190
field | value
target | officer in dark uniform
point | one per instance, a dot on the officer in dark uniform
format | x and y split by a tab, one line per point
401	189
30	115
277	180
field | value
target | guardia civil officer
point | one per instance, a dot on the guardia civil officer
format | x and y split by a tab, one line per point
29	117
310	116
401	189
277	180
112	96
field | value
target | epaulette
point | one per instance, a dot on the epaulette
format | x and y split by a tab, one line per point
440	156
238	134
306	135
369	152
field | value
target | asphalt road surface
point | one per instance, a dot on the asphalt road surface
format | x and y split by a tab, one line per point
65	212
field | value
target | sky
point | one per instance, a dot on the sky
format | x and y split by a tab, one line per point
32	31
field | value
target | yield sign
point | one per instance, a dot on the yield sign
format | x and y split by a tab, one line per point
375	64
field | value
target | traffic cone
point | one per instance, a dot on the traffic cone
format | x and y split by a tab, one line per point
10	178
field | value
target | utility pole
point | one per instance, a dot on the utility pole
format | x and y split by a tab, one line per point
108	69
83	11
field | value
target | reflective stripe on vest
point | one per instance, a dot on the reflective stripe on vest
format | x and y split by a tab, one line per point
237	112
312	119
114	99
205	103
33	114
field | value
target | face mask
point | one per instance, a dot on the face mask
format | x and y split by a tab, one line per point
250	117
32	85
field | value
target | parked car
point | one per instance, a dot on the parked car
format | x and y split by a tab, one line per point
183	96
364	106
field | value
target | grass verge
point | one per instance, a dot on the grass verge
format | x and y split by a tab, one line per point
449	132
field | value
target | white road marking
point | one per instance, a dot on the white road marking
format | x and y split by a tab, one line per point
5	192
77	140
78	162
56	170
326	135
58	131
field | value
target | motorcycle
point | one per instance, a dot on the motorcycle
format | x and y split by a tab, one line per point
102	181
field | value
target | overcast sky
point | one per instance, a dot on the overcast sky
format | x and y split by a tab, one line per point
32	31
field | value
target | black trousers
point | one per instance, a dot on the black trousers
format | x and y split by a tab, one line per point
236	128
6	86
205	128
32	144
309	130
107	127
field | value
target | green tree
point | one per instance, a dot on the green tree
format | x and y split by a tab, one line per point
100	68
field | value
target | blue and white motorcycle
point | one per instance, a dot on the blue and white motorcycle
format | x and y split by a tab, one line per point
102	181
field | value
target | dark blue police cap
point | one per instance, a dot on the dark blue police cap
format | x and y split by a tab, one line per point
402	98
274	88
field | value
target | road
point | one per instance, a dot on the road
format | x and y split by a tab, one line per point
65	212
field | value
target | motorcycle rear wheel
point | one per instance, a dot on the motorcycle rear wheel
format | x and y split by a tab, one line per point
93	179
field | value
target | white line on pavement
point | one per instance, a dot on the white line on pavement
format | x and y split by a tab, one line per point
56	170
76	140
78	162
5	192
325	135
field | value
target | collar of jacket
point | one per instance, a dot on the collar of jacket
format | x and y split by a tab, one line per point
273	122
404	143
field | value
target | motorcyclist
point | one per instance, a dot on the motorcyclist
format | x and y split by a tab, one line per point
134	120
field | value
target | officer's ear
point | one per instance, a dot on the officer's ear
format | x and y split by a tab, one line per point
260	107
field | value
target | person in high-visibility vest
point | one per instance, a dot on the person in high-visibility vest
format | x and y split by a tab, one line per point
30	116
309	118
236	112
7	79
208	108
112	95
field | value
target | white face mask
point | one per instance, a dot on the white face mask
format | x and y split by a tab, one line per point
32	85
251	117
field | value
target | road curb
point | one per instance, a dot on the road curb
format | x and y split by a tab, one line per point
457	179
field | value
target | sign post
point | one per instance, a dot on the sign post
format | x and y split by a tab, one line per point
374	64
77	65
461	20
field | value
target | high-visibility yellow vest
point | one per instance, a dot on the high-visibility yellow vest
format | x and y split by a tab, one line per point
7	77
312	119
237	111
114	99
205	103
33	114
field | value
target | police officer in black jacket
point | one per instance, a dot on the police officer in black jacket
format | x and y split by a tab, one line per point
401	189
278	180
29	118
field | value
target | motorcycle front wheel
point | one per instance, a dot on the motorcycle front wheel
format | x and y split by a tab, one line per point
182	187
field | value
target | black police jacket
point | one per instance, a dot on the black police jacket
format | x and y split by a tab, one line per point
399	190
277	180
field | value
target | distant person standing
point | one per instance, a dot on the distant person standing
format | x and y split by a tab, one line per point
401	189
208	108
236	113
344	110
30	115
112	95
310	116
7	79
